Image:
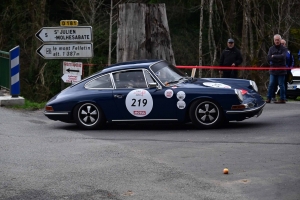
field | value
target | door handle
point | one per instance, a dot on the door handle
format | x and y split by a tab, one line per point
119	96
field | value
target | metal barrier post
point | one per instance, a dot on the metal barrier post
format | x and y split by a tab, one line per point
14	71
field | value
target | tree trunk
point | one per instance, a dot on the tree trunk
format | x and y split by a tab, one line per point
244	46
143	33
211	40
200	37
110	32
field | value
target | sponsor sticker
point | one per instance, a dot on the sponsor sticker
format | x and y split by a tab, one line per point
139	102
181	104
216	85
180	95
169	93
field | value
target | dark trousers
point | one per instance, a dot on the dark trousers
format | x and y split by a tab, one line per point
276	85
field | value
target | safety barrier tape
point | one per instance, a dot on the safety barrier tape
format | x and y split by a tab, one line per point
236	68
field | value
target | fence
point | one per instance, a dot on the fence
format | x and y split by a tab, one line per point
4	70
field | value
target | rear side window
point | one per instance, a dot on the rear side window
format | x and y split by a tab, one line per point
101	82
130	79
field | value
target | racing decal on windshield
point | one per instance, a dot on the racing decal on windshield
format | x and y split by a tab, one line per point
216	85
180	95
139	102
181	104
169	93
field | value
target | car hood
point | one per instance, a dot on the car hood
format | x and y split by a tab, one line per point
216	83
296	72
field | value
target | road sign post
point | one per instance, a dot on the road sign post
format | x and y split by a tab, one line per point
74	68
62	51
65	34
67	41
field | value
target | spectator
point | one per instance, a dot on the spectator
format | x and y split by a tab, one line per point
277	59
230	57
289	64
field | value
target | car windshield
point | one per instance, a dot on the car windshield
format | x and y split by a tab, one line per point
167	73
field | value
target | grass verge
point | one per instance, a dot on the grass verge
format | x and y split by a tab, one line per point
28	105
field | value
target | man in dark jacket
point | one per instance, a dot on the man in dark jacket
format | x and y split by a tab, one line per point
277	59
230	57
289	64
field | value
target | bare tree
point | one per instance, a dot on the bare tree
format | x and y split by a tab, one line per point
89	11
200	37
211	39
143	33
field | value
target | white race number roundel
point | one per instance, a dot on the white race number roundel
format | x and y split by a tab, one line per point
139	102
169	93
181	104
180	95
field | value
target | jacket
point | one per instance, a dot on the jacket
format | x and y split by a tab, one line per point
278	60
230	56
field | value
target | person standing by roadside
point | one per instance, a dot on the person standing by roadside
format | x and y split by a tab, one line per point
277	59
230	57
289	64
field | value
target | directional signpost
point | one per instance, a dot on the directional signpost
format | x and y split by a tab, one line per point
74	68
67	41
65	34
69	78
72	72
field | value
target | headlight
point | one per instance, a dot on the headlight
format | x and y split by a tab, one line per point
239	94
253	84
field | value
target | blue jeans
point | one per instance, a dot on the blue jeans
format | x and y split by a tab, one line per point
280	79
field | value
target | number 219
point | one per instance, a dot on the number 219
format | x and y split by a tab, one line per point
138	102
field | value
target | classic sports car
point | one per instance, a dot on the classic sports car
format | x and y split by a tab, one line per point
293	88
154	90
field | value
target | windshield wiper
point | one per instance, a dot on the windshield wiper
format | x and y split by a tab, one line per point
167	83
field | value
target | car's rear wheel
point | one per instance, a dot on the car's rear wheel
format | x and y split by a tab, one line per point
88	116
205	114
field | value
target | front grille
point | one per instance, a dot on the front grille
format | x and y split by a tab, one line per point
296	78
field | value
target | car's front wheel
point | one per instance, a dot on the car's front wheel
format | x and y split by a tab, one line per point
88	116
205	114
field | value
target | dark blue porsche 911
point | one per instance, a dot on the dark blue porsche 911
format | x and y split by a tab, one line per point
154	90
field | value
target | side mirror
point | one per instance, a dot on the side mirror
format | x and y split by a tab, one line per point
152	85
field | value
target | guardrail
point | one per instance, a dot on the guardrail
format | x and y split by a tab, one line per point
4	70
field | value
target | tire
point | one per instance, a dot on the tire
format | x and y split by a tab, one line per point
206	114
88	116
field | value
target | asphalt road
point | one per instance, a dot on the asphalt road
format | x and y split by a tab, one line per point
42	159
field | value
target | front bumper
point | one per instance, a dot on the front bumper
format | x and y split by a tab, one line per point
293	89
239	115
59	116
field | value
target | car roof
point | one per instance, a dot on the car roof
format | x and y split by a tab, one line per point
130	64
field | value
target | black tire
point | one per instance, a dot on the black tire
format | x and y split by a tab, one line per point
88	116
206	114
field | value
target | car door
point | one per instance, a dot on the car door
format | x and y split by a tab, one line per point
137	102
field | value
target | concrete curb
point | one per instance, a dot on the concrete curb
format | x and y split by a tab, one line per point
11	101
7	100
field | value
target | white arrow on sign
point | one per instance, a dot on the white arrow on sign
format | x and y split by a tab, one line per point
65	34
74	68
69	78
61	51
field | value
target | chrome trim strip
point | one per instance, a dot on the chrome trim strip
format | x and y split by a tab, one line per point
245	111
132	120
55	113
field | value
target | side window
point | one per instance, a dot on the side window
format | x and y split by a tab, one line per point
149	77
130	79
101	82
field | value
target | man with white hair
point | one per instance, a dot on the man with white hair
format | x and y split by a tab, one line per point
277	59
